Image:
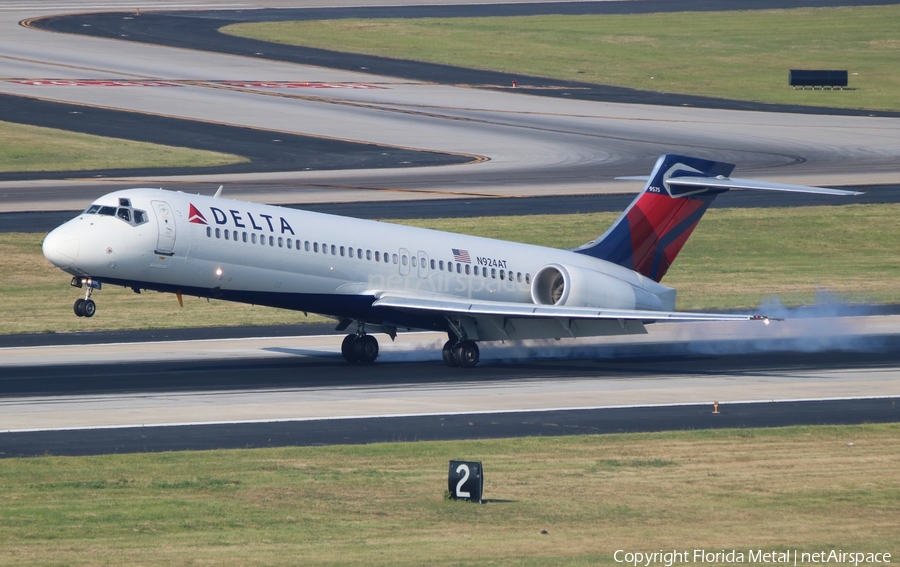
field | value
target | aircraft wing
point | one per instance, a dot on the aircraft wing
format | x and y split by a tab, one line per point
495	320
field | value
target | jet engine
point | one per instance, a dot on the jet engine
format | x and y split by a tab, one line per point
571	286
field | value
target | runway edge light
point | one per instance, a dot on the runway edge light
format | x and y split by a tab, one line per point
465	481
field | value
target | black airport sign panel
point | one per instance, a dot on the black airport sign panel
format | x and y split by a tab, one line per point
465	481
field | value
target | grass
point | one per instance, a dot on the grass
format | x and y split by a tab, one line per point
33	148
736	258
736	55
793	488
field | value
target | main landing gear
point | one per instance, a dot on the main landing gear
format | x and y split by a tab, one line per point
85	307
464	354
360	348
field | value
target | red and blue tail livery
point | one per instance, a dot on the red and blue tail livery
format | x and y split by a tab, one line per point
652	231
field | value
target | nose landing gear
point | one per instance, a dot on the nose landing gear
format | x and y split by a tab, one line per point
85	307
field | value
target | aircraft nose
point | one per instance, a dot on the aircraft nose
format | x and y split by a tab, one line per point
61	246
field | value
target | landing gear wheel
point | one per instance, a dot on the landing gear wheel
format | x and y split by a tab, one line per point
347	348
447	354
89	307
466	354
79	307
365	349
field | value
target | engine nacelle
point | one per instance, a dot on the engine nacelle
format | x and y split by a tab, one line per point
570	286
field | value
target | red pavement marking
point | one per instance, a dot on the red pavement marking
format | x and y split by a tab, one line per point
79	83
289	85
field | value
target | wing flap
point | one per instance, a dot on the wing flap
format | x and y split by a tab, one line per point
529	311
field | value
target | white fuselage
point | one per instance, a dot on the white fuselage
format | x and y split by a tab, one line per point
240	251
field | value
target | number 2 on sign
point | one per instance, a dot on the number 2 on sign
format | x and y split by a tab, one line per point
459	492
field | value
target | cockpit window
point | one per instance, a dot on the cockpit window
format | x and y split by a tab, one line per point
124	212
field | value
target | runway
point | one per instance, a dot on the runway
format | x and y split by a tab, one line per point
286	383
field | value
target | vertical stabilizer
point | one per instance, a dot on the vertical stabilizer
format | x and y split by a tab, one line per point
647	237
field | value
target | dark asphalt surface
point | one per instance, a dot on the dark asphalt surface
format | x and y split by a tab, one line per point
466	208
266	150
442	428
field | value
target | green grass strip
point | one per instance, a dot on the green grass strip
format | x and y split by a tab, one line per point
736	55
736	258
799	488
33	148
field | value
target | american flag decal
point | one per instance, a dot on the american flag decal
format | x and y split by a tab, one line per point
461	256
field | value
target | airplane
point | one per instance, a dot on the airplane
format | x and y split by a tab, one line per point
383	277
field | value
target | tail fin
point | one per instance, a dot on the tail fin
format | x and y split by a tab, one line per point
653	229
647	237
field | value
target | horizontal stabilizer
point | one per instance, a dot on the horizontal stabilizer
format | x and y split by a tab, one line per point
732	183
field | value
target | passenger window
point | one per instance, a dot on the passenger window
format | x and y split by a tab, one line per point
244	237
333	250
124	214
226	234
501	275
342	250
494	273
324	248
394	257
297	243
449	266
280	242
459	268
208	230
414	261
519	276
368	254
350	251
441	264
527	278
271	241
359	253
468	269
377	256
289	244
107	211
432	263
253	238
218	233
403	260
